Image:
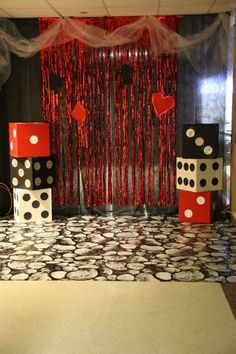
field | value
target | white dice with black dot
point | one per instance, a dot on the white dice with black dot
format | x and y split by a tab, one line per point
32	206
199	175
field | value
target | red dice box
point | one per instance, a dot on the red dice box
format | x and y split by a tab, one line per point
29	139
196	207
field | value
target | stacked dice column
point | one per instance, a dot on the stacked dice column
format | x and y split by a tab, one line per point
32	171
199	172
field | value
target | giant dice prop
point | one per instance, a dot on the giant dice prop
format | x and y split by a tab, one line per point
196	207
32	172
199	175
32	206
29	139
200	141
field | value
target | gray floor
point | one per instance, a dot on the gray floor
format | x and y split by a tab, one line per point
118	248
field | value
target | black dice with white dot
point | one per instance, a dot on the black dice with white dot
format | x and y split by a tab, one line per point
200	141
32	173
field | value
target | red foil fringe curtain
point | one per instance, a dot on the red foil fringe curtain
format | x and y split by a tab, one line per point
123	154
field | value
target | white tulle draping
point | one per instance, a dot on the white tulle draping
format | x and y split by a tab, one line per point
163	40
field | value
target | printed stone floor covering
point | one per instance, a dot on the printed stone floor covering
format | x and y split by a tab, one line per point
118	248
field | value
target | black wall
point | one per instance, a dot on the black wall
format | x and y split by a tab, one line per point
20	99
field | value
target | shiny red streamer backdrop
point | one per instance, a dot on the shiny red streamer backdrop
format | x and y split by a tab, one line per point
123	154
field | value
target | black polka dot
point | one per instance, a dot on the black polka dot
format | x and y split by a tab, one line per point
17	197
44	196
27	216
180	180
179	165
215	166
44	214
192	166
26	197
191	183
203	182
214	181
17	211
203	167
185	181
186	166
35	204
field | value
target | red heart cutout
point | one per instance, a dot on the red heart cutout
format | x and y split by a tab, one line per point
79	113
162	104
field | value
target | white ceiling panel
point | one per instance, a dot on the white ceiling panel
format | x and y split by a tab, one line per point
129	11
131	3
182	10
78	8
83	12
32	13
225	1
3	14
23	4
167	3
216	8
75	3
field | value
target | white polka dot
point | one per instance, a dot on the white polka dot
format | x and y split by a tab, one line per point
27	183
188	213
199	141
208	150
37	166
50	180
27	164
201	200
37	181
14	132
34	139
14	181
21	172
14	162
11	145
190	133
49	164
